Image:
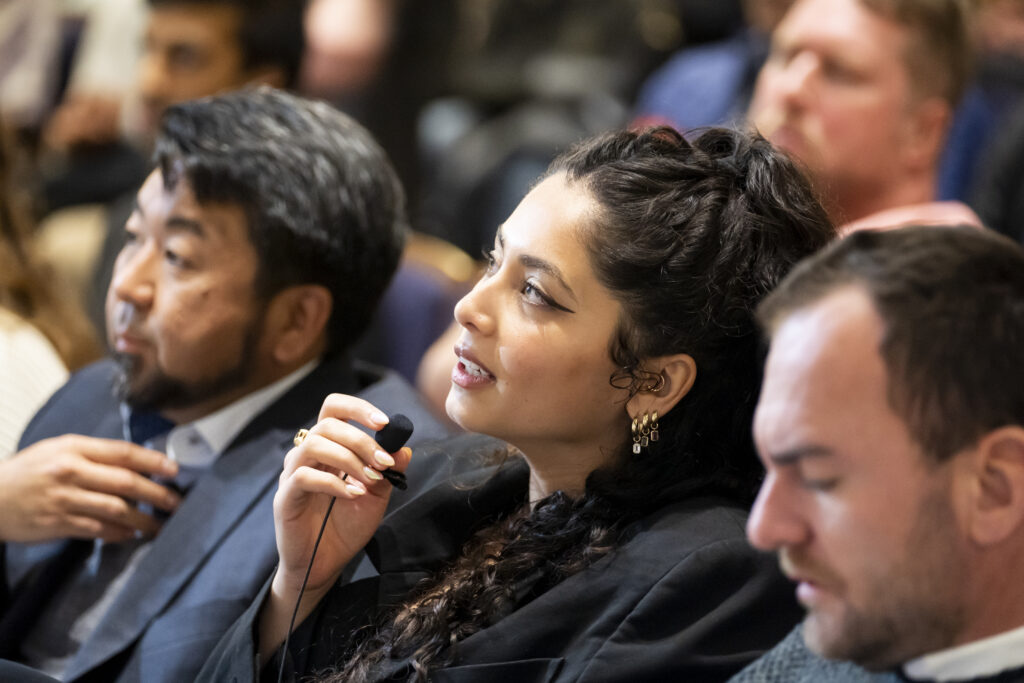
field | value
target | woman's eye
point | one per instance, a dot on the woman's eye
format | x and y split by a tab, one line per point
534	295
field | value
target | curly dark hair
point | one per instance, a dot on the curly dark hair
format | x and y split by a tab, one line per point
689	237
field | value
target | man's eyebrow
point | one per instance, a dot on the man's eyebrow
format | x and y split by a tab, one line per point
187	225
795	455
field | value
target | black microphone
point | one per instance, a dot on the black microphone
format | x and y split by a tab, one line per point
391	438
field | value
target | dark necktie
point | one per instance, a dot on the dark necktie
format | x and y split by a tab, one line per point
144	426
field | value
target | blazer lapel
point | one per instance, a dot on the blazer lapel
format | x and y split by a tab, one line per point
223	496
212	508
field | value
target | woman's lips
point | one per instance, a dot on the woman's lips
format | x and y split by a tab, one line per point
468	372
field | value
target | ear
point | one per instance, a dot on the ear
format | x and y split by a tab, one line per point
296	323
925	133
677	372
996	491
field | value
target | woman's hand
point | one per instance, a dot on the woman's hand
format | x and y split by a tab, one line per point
336	459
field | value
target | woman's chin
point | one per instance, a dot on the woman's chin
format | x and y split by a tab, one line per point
455	407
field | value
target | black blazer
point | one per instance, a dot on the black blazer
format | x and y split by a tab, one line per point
212	555
684	599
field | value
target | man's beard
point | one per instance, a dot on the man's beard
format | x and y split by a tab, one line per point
160	392
914	609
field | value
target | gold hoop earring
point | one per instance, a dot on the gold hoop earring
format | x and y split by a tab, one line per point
656	386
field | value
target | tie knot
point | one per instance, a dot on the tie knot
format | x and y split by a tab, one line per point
145	426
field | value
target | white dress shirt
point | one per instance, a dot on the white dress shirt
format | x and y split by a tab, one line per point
985	657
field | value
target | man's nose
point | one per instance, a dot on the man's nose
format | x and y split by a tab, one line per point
774	521
151	76
133	279
796	80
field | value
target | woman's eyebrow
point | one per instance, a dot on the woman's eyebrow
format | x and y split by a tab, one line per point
548	268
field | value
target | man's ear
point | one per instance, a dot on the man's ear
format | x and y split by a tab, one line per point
296	323
672	378
996	486
925	133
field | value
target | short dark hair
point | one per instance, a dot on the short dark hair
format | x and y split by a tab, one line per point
271	33
951	300
689	237
323	204
939	56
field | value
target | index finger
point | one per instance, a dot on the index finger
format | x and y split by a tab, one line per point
124	454
346	407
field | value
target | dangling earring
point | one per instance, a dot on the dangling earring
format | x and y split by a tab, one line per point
645	430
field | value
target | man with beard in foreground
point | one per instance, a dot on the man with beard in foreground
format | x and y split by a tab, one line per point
891	424
255	255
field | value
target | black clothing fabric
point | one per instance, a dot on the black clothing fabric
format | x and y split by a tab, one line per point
684	598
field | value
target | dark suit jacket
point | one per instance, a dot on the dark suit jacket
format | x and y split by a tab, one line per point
684	599
212	555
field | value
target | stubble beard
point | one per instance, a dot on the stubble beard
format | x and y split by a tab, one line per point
916	609
157	391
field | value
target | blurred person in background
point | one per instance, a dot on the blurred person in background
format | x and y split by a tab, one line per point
862	92
711	84
42	335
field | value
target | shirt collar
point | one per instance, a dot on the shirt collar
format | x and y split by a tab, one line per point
200	442
985	657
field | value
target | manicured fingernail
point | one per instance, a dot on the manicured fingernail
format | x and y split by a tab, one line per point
372	473
355	488
383	459
380	418
170	468
173	500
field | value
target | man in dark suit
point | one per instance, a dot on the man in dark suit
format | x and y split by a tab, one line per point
255	255
891	424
